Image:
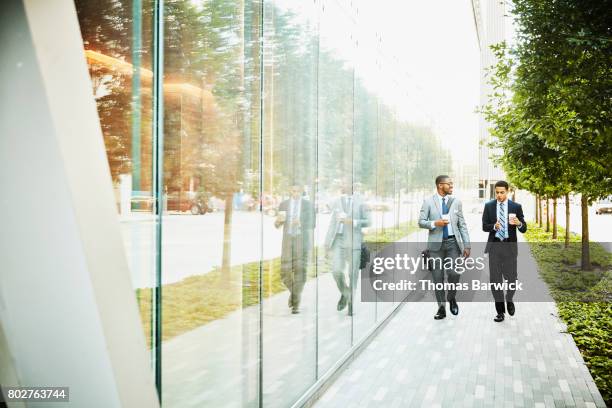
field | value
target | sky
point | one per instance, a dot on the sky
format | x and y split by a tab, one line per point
429	45
433	46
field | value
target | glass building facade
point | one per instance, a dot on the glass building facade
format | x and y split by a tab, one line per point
215	114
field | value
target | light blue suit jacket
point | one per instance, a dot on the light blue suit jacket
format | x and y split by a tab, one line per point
339	232
431	211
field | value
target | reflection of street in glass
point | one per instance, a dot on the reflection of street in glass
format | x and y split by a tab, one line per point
192	246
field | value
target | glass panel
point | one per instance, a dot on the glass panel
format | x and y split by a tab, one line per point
117	44
365	162
235	246
341	242
211	242
385	182
289	284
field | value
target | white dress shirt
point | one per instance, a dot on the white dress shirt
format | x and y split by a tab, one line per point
449	225
346	203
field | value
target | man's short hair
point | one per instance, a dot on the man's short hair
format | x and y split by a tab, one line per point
441	178
502	183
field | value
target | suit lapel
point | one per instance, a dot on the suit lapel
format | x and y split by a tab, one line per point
511	209
437	203
450	203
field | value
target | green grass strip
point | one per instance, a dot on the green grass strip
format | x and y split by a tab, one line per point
201	299
582	297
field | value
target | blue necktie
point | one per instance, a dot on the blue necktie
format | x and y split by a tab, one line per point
444	211
501	233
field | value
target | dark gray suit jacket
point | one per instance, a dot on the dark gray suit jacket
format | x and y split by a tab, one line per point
307	224
489	218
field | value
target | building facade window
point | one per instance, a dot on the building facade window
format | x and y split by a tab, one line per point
281	155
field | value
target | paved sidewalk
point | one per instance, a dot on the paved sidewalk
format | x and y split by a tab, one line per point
216	364
468	361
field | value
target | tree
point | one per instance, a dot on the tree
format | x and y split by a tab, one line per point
564	76
556	81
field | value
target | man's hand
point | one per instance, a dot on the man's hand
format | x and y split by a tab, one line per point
466	252
497	226
441	222
296	223
347	221
515	221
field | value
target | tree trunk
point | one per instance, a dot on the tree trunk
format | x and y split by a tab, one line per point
541	213
537	206
547	214
227	234
554	221
586	257
567	220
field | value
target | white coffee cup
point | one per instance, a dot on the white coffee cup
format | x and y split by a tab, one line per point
341	215
446	217
511	216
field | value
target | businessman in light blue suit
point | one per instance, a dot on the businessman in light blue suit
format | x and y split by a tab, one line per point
448	237
349	214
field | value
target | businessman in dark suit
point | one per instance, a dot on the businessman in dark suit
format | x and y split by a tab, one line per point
297	217
501	244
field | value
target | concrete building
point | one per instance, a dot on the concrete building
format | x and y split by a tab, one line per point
493	25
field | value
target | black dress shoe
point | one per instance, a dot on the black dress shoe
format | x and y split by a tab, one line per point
510	307
454	307
295	310
441	313
341	303
499	318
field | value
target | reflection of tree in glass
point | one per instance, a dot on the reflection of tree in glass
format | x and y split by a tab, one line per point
106	28
211	47
290	101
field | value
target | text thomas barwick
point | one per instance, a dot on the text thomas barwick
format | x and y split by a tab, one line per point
425	284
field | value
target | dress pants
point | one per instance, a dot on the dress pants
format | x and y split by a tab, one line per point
345	257
502	265
449	249
294	260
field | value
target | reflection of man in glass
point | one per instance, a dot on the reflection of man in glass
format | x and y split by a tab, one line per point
297	217
349	214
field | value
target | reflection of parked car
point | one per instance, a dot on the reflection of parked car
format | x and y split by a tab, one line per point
200	204
379	206
269	204
604	206
196	203
142	203
216	203
244	202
